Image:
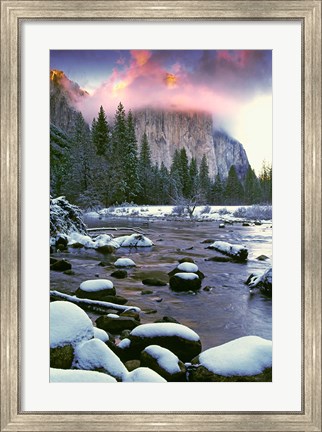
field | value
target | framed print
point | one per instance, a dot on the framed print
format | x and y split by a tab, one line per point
203	77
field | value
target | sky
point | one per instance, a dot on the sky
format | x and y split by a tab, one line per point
235	86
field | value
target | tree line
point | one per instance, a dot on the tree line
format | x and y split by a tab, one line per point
102	165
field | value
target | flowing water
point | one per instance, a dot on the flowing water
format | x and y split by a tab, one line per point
223	312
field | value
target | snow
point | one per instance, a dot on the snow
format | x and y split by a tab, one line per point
265	278
101	334
69	324
124	262
245	356
134	240
228	248
111	315
89	242
143	374
165	358
164	329
188	267
95	354
125	343
74	375
93	303
96	285
187	276
213	213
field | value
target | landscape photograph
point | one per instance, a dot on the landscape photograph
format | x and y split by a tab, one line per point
160	216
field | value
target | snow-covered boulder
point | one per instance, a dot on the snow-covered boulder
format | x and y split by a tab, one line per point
177	338
103	243
238	252
69	325
124	262
134	240
95	289
96	355
187	267
238	360
263	281
143	374
185	282
164	362
74	375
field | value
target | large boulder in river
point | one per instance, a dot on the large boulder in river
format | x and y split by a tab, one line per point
81	376
187	267
164	362
185	282
177	338
69	325
96	355
95	289
248	358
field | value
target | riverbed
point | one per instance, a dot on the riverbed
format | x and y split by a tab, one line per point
221	311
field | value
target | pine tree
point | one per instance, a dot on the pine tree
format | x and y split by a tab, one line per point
234	193
176	186
218	191
194	184
131	176
164	185
184	172
252	187
205	182
265	181
81	156
101	134
119	147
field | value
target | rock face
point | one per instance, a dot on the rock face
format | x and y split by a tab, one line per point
170	130
64	95
228	152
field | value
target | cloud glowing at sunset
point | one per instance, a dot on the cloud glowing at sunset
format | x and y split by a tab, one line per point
220	82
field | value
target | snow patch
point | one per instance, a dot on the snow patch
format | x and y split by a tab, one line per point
143	374
188	267
96	285
187	276
125	343
94	354
165	329
74	375
124	262
69	324
245	356
165	358
101	334
134	240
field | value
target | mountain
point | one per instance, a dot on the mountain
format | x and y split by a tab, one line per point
64	96
166	130
228	152
171	130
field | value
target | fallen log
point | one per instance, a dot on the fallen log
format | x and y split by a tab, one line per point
136	229
93	305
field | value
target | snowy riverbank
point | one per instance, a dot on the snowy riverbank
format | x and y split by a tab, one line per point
252	214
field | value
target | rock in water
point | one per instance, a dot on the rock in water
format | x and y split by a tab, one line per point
177	338
61	265
164	362
95	289
185	282
239	360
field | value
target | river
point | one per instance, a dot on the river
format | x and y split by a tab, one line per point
223	312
